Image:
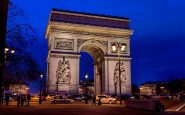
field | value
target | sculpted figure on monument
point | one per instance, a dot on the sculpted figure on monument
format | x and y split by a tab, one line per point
122	74
63	73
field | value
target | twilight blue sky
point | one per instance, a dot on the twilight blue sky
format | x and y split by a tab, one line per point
157	45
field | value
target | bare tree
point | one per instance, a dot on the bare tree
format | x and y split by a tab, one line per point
20	66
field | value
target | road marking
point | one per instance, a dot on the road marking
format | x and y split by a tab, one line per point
182	106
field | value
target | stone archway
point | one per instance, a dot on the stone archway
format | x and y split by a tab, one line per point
98	56
70	33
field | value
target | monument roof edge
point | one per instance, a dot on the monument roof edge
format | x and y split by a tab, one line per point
90	14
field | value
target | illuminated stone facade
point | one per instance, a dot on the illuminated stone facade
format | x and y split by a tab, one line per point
69	33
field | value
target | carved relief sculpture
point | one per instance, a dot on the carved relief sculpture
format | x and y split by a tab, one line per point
122	74
64	44
63	73
80	41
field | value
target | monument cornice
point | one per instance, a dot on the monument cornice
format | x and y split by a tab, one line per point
87	30
74	14
123	58
56	55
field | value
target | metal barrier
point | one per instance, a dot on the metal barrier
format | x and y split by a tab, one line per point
152	105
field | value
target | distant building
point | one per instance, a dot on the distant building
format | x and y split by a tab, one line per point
15	89
148	89
154	88
162	88
86	86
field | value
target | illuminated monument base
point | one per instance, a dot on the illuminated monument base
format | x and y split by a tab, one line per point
68	34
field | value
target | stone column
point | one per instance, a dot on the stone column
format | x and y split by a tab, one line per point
97	81
74	83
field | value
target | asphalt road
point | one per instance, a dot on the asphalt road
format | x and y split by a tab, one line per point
76	109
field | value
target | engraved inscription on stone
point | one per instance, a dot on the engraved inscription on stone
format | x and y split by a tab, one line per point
122	73
64	44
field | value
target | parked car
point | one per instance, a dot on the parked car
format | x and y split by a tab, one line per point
58	97
106	99
34	99
61	100
77	97
89	97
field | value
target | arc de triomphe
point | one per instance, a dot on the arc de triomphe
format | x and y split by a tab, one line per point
69	33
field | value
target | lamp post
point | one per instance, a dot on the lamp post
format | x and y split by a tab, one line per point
86	76
3	26
119	47
6	52
141	90
40	99
86	80
161	90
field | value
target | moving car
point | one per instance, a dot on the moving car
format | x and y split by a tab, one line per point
163	96
106	99
77	97
34	98
62	101
48	97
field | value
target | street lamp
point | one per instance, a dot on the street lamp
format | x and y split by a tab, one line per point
40	100
86	76
119	47
86	79
3	22
6	52
161	89
27	90
141	90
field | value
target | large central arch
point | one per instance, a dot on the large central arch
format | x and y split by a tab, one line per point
98	56
70	33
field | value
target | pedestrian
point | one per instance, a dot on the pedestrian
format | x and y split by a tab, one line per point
18	100
22	100
94	100
86	100
99	102
2	99
159	106
162	107
28	99
7	97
